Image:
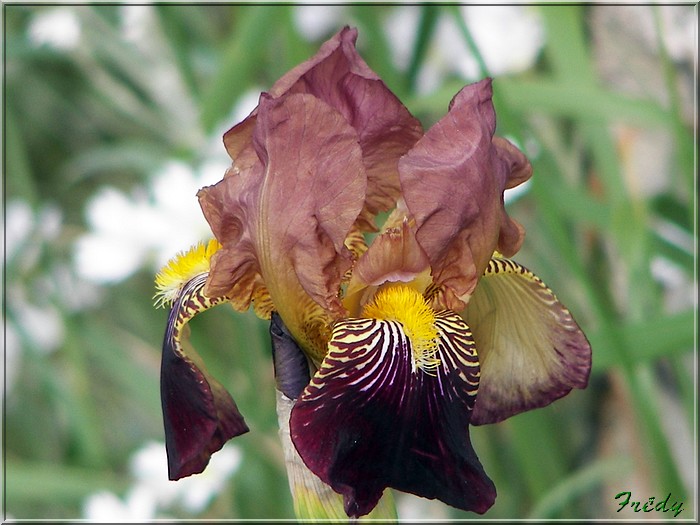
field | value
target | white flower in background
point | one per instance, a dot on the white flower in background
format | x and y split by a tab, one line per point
106	507
314	21
149	466
152	492
136	22
58	27
27	232
679	31
144	227
509	38
39	326
39	288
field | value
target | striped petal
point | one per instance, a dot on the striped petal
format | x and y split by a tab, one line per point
199	415
371	419
313	499
531	349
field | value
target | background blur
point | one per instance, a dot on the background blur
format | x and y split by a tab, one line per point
113	119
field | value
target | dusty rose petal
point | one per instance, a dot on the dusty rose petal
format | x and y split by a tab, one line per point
313	191
519	168
453	181
343	41
338	76
394	256
285	220
230	206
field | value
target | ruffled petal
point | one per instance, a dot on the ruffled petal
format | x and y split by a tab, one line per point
393	256
338	76
453	181
199	415
531	349
369	419
284	222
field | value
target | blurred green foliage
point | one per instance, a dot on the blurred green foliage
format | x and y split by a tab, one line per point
75	121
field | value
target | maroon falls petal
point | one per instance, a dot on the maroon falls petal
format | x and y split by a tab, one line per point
453	181
373	418
199	415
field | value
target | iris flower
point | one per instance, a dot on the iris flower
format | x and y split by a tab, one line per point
388	341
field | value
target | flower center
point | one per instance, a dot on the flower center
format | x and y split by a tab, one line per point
401	303
181	269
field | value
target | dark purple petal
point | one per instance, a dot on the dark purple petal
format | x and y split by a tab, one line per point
199	415
531	349
368	420
290	363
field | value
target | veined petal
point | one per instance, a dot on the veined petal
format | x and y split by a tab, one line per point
313	499
370	420
199	415
338	76
285	221
453	181
531	349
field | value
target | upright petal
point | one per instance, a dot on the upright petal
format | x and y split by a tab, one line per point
369	419
393	256
453	181
531	349
338	76
230	207
284	221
